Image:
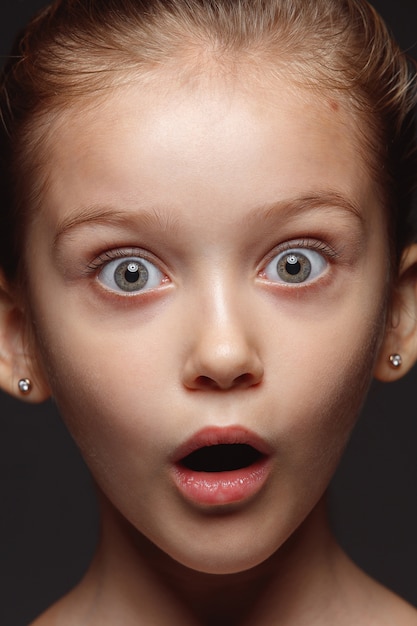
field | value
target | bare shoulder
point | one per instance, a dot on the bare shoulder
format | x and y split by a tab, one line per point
395	610
361	600
381	607
59	614
49	618
71	610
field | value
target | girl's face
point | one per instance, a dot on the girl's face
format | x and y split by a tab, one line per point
209	269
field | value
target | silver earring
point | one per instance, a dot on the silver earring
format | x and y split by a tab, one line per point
25	386
395	360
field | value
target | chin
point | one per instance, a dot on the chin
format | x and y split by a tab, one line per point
223	562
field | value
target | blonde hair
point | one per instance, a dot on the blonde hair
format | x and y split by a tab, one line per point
75	49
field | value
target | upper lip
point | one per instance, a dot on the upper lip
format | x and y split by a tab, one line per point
217	435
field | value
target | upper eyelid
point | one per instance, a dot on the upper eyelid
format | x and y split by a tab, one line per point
311	243
99	260
307	243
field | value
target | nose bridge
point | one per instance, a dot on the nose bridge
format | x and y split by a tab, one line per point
223	350
223	331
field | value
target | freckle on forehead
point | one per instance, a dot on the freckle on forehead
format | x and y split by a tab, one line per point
334	105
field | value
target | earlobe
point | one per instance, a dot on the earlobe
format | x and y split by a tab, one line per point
398	352
17	361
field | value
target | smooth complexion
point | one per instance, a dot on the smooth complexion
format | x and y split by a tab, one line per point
208	186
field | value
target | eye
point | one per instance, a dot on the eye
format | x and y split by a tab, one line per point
296	265
130	275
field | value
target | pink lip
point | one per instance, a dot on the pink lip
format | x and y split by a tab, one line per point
225	487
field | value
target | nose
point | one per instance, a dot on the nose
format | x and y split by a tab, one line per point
222	353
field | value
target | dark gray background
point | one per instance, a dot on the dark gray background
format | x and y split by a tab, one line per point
48	517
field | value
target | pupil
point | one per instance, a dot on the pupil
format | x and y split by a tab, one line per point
292	265
132	273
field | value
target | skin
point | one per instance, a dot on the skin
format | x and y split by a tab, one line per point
209	183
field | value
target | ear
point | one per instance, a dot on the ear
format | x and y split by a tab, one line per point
17	358
401	331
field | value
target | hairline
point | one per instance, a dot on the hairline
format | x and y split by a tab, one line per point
188	68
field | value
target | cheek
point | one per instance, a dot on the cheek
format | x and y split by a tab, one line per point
106	385
325	365
111	407
324	394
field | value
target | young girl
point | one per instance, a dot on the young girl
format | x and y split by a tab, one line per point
207	255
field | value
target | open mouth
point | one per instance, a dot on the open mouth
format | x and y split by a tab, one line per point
221	466
222	458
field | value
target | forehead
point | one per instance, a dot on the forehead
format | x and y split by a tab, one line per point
190	143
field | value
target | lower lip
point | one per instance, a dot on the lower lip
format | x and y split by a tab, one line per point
221	488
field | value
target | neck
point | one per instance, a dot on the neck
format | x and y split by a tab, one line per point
129	576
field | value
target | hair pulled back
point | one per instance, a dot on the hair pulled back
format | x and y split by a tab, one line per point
75	49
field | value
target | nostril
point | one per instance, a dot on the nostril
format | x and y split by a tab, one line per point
205	382
217	370
244	380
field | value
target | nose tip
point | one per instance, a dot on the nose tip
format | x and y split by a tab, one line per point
222	367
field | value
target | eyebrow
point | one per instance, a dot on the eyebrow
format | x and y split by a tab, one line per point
292	207
167	221
108	216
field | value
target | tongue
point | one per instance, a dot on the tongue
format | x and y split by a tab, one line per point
221	458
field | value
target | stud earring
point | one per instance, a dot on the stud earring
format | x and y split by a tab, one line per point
25	386
395	360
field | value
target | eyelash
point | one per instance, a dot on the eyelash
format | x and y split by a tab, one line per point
98	263
121	253
102	259
127	271
327	253
309	244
